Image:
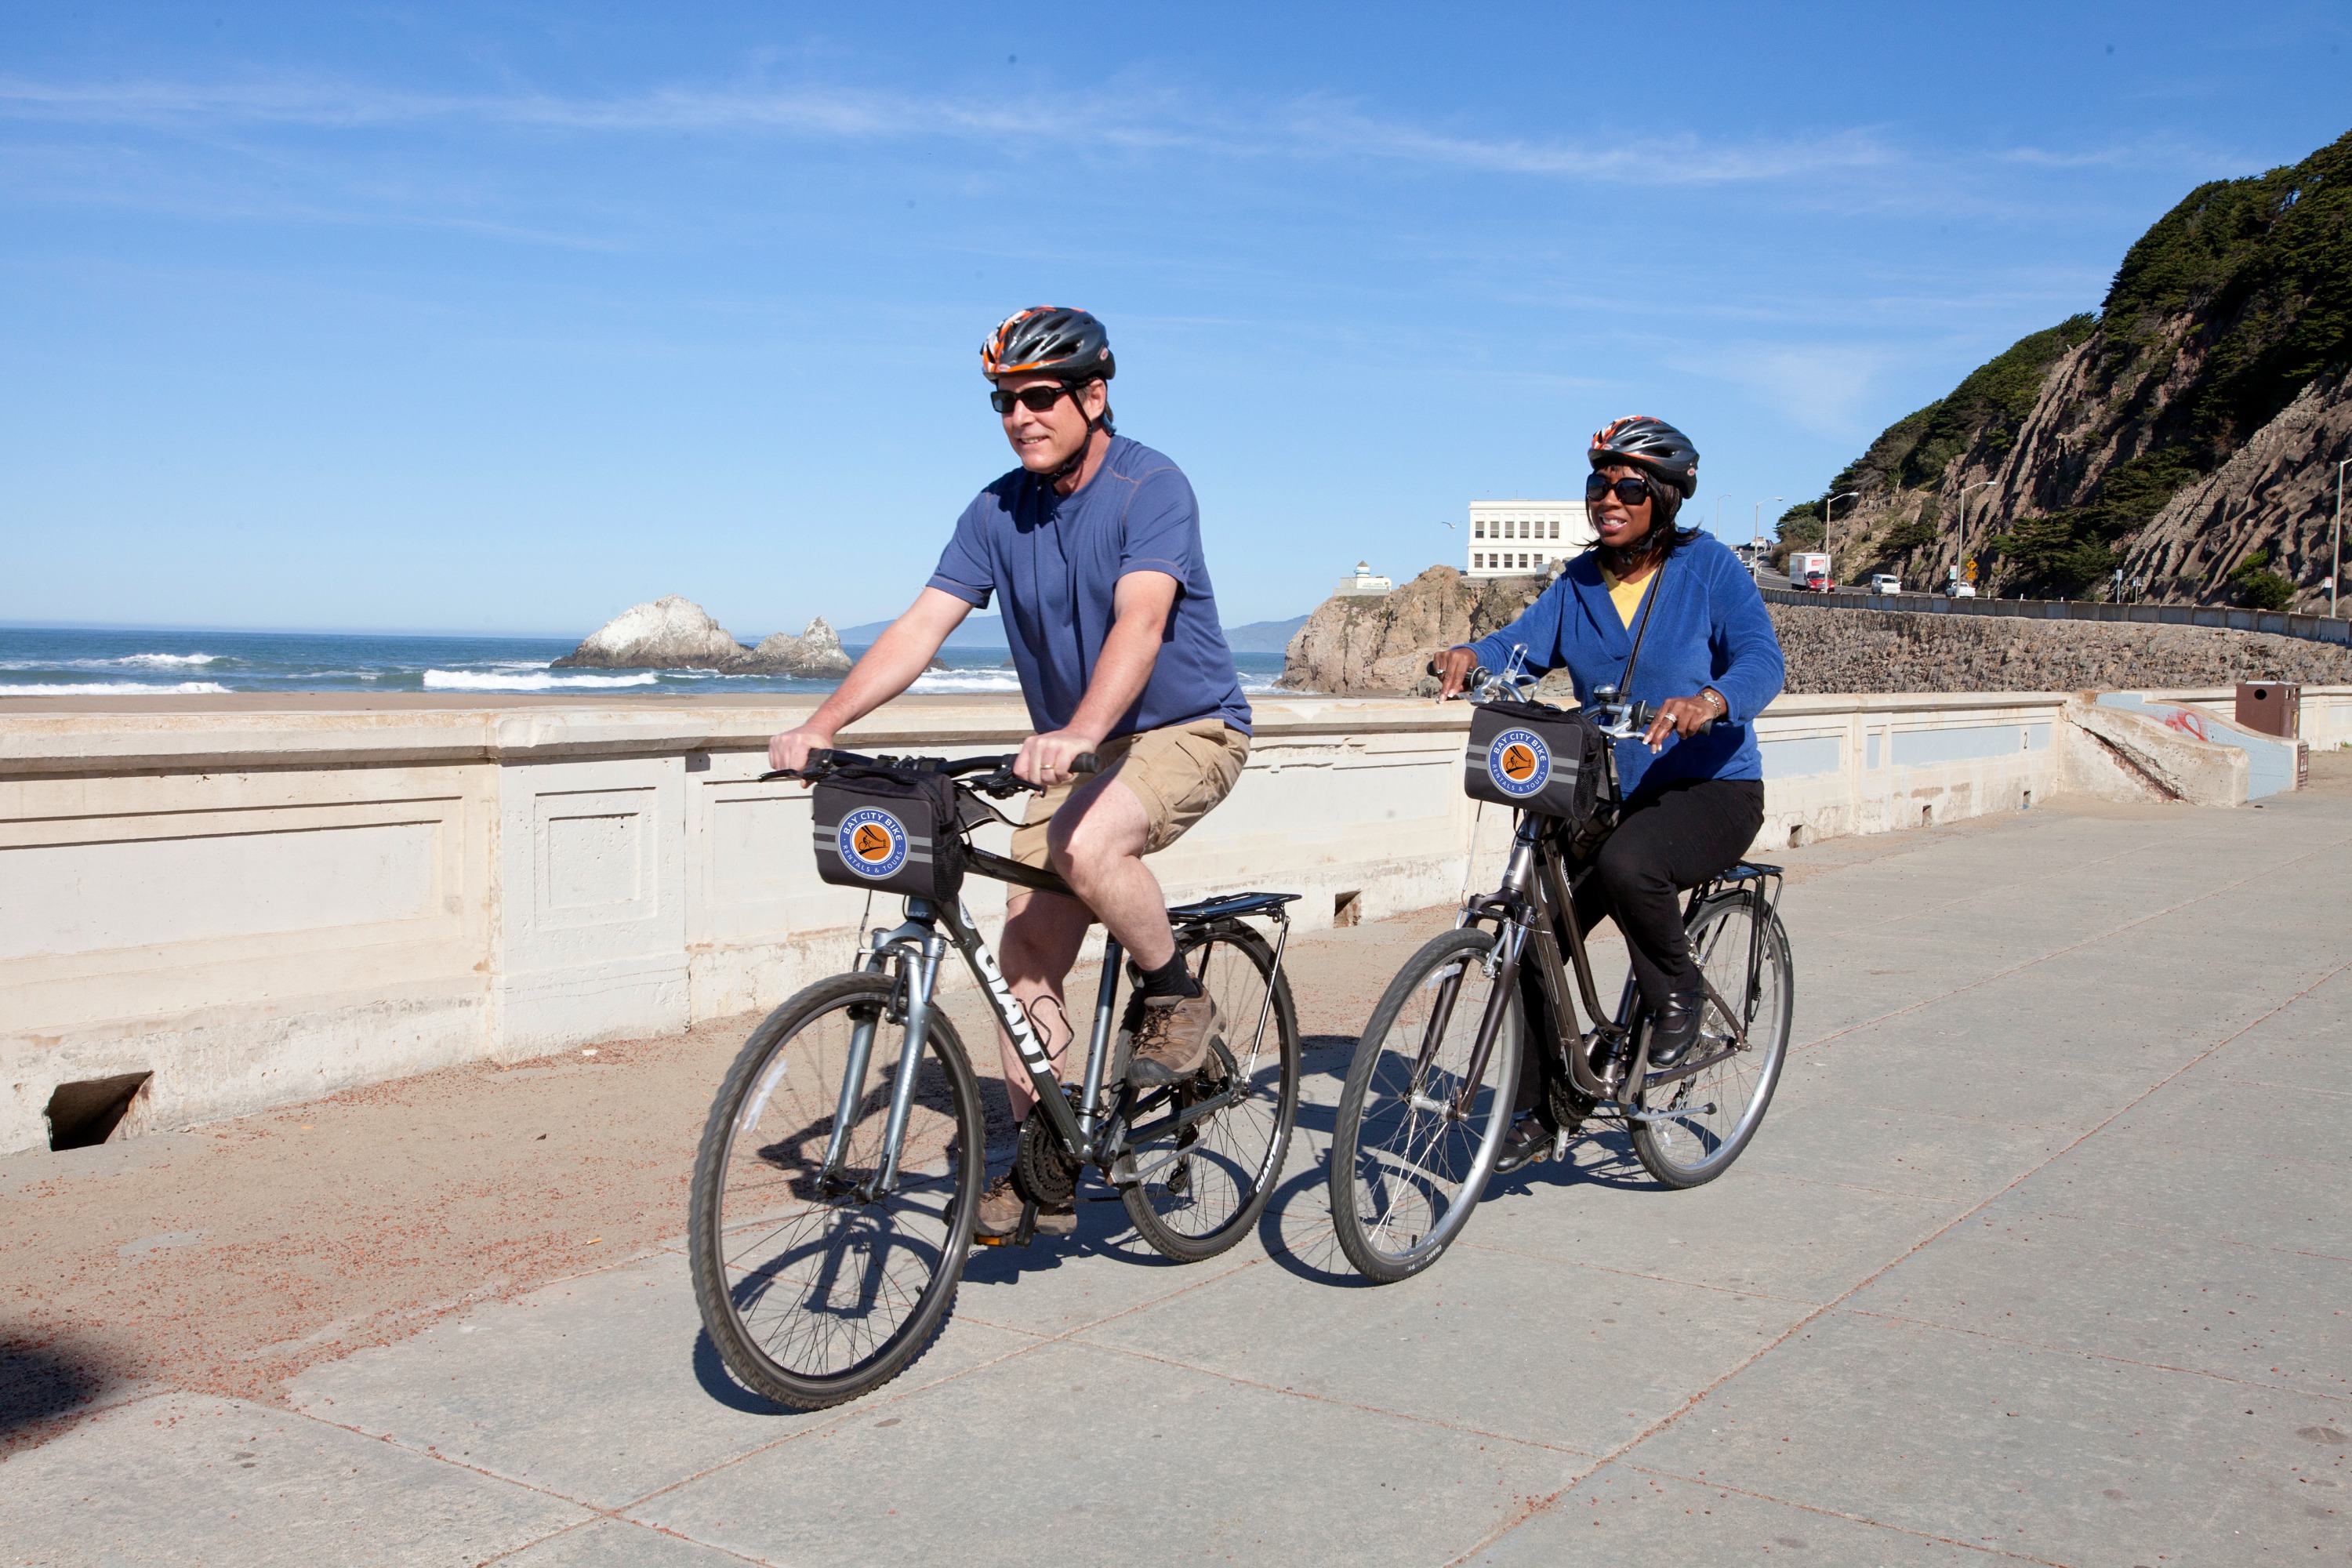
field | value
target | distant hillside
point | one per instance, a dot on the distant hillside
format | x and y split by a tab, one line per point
979	634
1264	636
2188	434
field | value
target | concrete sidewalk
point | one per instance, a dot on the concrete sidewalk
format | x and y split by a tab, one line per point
2045	1252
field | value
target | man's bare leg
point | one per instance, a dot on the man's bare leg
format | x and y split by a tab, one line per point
1042	933
1096	845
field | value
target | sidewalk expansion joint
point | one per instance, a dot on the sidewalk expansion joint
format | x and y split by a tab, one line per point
1840	1513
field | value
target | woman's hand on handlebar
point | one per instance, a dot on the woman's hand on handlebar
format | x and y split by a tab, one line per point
1453	667
789	752
1683	716
1046	759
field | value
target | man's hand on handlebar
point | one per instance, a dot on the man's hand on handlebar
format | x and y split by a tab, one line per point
1452	668
1046	759
1683	716
789	752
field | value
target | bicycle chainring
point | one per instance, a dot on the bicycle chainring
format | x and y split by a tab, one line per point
1042	1169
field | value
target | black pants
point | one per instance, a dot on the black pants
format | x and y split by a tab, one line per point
1667	841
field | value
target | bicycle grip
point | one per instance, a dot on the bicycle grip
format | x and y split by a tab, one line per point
1086	762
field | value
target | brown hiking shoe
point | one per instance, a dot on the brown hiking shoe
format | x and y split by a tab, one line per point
1000	1213
1170	1038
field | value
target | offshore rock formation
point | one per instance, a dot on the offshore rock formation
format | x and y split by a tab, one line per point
815	655
2188	434
1362	645
1381	643
671	633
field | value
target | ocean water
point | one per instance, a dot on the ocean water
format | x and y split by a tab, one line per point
37	662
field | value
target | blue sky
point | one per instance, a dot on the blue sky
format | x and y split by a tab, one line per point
502	318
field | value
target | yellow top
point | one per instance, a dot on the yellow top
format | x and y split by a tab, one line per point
1626	596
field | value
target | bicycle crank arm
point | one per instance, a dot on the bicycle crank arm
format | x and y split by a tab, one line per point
1675	1075
1624	1112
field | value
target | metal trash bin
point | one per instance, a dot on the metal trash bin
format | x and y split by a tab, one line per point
2271	707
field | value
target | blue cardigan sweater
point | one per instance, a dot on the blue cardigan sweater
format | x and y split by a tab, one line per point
1707	627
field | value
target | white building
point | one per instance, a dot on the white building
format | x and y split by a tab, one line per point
1364	582
1521	538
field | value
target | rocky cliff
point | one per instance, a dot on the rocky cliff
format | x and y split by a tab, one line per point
671	633
1364	643
2187	435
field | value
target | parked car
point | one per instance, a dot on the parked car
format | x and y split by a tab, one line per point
1885	583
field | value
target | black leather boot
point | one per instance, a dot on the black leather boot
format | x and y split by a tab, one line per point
1675	1028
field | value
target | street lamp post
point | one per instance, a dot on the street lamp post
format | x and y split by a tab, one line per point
1961	558
1826	507
2335	551
1756	529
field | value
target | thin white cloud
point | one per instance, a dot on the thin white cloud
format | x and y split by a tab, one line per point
1133	119
1823	388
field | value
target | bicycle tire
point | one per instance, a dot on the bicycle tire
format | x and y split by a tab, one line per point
1234	1160
1380	1218
785	1355
1693	1149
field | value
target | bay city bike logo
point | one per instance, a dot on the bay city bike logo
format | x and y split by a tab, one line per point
1519	762
872	843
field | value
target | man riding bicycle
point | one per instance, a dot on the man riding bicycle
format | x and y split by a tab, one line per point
1093	543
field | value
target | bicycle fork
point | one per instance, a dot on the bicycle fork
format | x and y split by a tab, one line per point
920	948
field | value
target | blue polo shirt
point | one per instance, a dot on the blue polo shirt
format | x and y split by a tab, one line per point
1057	560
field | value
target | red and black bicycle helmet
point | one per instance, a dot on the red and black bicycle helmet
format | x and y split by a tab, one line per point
1049	339
1653	446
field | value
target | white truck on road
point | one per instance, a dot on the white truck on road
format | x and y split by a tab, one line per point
1808	570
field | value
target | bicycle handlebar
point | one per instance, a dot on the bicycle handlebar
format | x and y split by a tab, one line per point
1000	781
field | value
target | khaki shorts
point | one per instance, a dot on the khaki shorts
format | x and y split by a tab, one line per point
1179	773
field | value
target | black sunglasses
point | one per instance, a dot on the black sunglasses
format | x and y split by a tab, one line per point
1632	490
1035	399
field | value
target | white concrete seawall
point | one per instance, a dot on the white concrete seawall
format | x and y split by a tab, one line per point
260	907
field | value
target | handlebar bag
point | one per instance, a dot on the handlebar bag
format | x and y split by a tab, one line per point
892	830
1535	757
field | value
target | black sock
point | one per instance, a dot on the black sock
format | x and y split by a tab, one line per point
1170	979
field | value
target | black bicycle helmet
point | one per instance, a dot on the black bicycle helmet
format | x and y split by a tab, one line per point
1650	445
1049	339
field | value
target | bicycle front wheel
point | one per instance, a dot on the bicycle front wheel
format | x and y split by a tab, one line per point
1712	1114
1408	1164
814	1289
1201	1191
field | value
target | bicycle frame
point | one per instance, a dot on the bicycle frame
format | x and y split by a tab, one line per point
1089	1133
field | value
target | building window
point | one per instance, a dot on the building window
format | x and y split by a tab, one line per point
1555	528
1477	529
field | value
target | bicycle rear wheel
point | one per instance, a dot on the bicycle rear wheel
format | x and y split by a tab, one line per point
1716	1111
1406	1168
1202	1190
812	1293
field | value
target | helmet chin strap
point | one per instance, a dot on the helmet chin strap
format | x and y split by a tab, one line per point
1077	459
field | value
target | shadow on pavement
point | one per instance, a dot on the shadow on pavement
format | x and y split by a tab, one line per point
713	1374
45	1383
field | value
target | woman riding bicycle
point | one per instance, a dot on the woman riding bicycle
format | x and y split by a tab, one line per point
1709	662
